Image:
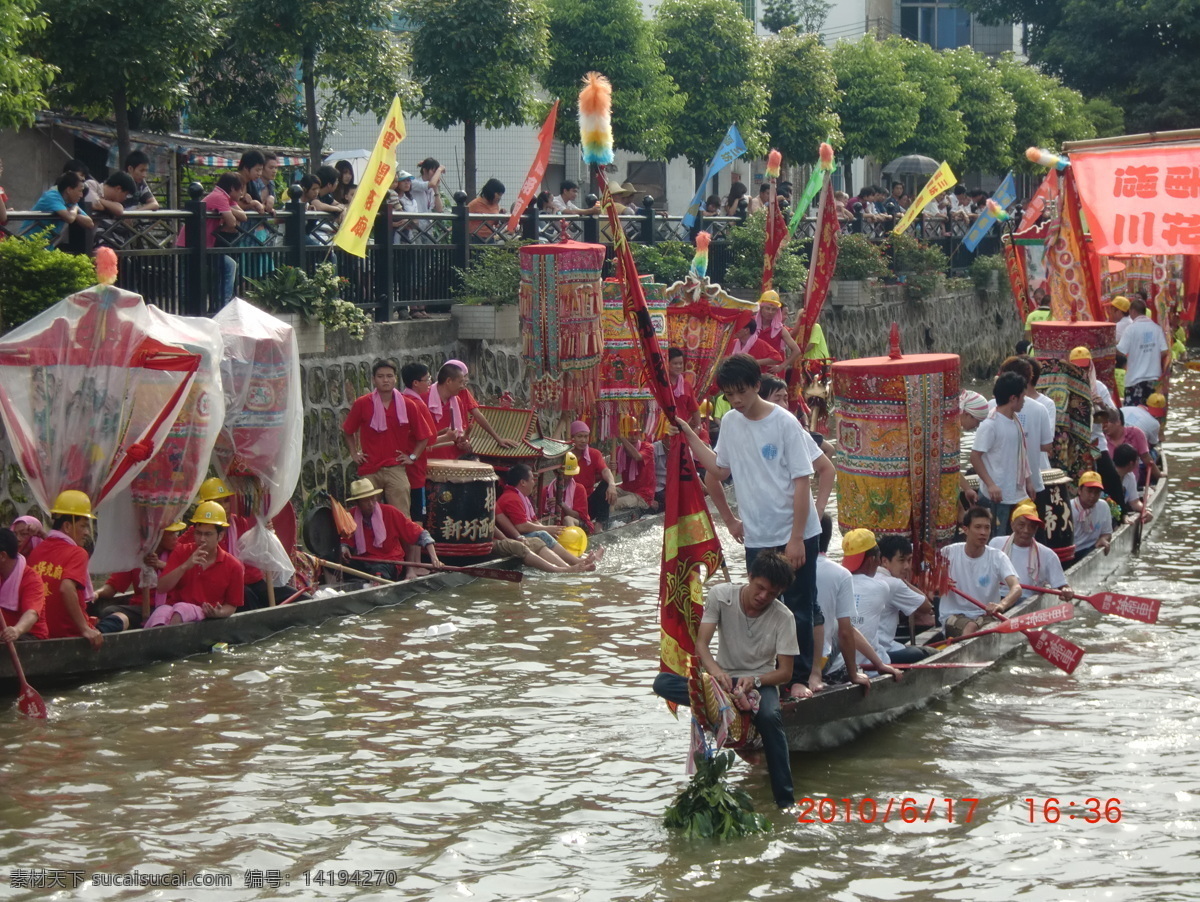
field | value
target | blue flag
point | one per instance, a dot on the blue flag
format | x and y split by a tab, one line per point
731	148
1004	195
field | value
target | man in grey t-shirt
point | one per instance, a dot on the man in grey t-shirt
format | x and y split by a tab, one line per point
757	644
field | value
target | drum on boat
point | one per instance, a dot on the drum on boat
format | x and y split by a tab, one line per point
461	504
1054	340
1058	533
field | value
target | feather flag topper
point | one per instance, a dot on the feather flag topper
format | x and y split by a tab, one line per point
699	265
1046	158
774	162
996	211
825	154
595	119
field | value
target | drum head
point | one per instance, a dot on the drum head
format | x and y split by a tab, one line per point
321	535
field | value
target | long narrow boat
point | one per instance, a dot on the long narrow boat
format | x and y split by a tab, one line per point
835	716
51	661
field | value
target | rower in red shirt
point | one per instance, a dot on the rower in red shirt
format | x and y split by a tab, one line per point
387	433
746	341
22	594
417	382
62	563
773	331
116	618
383	536
635	464
202	580
686	407
454	408
573	509
516	519
593	468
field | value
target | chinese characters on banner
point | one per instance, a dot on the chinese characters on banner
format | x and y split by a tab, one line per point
372	191
1141	200
941	181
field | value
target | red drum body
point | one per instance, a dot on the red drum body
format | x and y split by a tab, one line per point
461	507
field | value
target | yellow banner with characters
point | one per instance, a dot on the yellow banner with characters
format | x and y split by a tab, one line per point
941	181
372	190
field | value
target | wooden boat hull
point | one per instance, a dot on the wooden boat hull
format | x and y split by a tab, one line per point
836	716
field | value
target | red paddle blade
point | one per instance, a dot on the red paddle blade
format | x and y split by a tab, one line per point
1058	651
30	703
1130	606
1033	620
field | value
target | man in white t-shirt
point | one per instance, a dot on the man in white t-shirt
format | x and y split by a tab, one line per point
895	571
771	459
1032	393
879	605
835	595
1035	564
1037	425
1147	416
1145	347
757	646
1120	304
977	570
1092	519
1000	454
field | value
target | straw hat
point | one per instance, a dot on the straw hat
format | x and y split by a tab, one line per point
627	189
362	488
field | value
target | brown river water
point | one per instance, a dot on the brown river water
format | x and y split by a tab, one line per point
521	756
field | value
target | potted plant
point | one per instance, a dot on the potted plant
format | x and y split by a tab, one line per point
859	263
667	261
921	267
487	295
746	244
310	304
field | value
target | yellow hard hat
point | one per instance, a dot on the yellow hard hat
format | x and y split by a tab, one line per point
211	513
574	540
1092	478
177	526
630	426
770	297
212	489
1080	355
1026	509
1121	303
570	464
855	545
706	408
72	503
1157	404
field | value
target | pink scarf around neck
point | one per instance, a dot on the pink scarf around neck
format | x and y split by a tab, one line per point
435	407
679	389
88	592
379	415
774	329
378	532
10	589
743	347
628	465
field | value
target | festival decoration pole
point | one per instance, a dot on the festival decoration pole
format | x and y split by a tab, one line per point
776	229
689	539
820	177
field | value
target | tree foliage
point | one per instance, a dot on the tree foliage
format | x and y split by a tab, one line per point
879	106
987	109
1108	119
711	51
118	57
1037	110
344	49
614	38
803	94
24	79
806	16
1140	55
474	62
940	132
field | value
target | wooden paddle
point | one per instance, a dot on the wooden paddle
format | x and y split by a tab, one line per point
1016	624
29	702
512	576
360	574
1130	606
1137	526
1055	649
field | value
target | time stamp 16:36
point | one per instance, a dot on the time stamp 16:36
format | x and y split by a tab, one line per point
1091	811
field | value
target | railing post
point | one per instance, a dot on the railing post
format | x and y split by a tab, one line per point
647	220
530	227
195	299
591	225
295	231
460	234
385	269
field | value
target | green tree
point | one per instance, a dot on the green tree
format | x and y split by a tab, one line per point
121	58
1140	55
711	51
987	109
1073	122
1108	119
24	79
940	132
803	93
475	61
807	16
1037	109
345	50
879	106
612	37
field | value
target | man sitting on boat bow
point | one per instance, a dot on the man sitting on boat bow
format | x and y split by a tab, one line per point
1093	520
202	580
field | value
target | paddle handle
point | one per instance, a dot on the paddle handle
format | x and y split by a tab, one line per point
360	574
977	603
512	576
1059	592
17	668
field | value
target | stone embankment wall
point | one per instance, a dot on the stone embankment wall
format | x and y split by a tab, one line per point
982	328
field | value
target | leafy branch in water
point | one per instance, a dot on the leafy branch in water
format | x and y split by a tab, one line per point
709	808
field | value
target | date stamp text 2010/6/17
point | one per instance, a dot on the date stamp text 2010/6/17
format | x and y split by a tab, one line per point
870	811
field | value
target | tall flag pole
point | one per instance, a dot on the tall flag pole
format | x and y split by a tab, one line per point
690	542
537	170
941	181
820	174
776	228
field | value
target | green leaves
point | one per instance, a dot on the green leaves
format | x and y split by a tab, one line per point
709	809
879	106
33	278
746	247
24	79
289	289
804	93
494	276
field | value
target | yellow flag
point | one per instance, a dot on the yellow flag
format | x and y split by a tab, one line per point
941	181
372	190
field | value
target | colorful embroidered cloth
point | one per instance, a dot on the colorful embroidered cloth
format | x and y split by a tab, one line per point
623	388
701	320
715	710
1068	387
1055	340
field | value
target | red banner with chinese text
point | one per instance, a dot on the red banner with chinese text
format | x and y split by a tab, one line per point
537	170
690	542
1141	200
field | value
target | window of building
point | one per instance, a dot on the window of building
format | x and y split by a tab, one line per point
935	22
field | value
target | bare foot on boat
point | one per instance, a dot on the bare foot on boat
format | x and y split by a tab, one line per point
415	572
799	690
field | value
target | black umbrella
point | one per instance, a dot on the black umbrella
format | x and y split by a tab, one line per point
912	164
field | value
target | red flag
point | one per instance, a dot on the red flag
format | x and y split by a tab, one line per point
777	231
824	259
1047	190
537	170
1018	279
689	540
